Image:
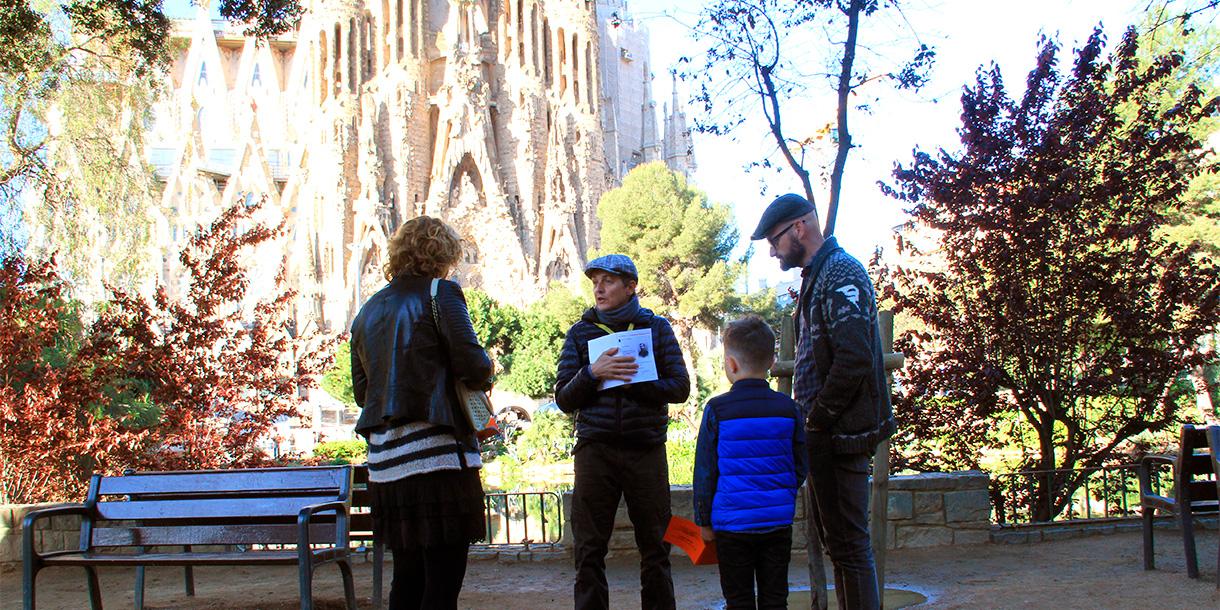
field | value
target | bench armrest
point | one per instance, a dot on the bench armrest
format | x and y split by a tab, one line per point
27	525
307	513
1144	470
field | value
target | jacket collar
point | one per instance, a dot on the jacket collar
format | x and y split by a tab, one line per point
828	247
641	320
743	384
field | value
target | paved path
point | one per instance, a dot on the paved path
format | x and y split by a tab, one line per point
1095	572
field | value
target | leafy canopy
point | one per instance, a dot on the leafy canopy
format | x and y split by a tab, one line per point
1049	293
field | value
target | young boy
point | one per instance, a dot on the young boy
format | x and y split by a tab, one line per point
749	463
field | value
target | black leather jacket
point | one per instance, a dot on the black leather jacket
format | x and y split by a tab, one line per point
403	364
634	414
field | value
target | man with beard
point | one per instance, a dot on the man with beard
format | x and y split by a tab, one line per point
839	382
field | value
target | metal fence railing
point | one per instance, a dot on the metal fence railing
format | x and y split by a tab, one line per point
1035	496
525	518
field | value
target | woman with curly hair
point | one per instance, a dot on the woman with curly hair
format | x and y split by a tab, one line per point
427	499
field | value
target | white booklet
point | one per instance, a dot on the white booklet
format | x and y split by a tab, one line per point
634	343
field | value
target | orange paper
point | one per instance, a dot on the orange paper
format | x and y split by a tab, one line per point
684	534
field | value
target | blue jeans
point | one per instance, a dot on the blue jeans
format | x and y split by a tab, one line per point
841	490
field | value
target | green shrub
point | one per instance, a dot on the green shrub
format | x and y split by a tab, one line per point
338	380
353	451
680	452
549	440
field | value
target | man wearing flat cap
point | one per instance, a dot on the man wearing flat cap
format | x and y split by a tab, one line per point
620	436
839	381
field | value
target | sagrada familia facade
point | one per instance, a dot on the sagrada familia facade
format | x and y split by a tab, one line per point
506	118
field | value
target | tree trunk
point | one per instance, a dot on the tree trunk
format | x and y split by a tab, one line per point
686	340
1203	393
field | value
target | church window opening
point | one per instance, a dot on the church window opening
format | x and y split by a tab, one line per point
398	54
415	21
203	74
546	51
256	80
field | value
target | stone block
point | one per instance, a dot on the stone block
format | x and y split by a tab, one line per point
932	518
1015	536
900	505
967	505
10	549
916	536
971	536
1061	533
941	481
1102	529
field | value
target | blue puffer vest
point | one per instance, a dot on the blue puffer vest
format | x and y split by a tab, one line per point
759	457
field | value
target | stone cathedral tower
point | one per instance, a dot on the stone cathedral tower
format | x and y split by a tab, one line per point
484	113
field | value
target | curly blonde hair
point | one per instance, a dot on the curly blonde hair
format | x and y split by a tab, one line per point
423	246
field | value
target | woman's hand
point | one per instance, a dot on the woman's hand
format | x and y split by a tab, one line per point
706	533
613	368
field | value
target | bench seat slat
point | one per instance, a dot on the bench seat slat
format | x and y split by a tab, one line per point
202	509
184	559
1202	491
220	481
213	534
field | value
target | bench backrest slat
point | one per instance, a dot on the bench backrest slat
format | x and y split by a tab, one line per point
262	480
1194	467
208	534
200	510
255	506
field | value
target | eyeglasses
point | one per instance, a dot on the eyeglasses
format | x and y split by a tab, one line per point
774	239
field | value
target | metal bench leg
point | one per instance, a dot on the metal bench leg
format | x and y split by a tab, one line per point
349	585
1188	541
306	582
28	575
138	594
95	591
378	562
188	573
1149	554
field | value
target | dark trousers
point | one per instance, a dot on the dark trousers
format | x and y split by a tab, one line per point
604	474
428	578
749	559
841	489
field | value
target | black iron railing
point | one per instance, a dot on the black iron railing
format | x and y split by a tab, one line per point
524	518
1036	496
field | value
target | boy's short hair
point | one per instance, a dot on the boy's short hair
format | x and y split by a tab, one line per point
751	341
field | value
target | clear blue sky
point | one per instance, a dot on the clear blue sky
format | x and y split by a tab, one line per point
965	34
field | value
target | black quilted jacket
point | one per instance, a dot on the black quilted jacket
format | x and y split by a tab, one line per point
633	414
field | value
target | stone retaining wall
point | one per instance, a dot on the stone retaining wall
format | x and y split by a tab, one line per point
924	510
54	534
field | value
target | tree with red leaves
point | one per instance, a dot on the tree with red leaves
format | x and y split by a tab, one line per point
165	383
1051	306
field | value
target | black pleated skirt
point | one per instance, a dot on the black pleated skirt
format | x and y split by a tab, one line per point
432	509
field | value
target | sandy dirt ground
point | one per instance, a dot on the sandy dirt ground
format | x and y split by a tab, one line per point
1096	572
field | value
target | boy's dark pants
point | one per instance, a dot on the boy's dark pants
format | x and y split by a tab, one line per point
746	559
604	474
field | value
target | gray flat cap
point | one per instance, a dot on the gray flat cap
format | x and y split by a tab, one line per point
618	264
785	207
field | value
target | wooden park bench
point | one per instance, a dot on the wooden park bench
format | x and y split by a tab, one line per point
126	518
1196	477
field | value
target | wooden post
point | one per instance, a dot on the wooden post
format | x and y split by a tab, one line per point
881	464
783	371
